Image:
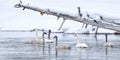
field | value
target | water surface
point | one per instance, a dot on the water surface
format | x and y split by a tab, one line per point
14	46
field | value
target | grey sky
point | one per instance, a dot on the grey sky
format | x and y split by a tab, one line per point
13	18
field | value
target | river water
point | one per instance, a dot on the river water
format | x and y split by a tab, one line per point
14	46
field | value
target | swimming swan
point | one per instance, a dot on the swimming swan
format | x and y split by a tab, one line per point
62	46
107	43
37	40
80	45
49	40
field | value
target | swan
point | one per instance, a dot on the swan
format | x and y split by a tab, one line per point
49	40
37	40
62	46
107	43
80	45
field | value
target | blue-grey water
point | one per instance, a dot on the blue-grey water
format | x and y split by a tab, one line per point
14	46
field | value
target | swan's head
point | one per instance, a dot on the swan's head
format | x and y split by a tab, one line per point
77	36
55	36
49	31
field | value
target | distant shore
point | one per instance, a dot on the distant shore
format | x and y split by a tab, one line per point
116	33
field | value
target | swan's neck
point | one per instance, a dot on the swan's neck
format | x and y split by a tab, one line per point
36	34
78	41
43	37
77	38
56	40
49	34
106	39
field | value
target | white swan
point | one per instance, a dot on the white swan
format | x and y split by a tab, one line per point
37	40
107	43
49	40
80	45
62	46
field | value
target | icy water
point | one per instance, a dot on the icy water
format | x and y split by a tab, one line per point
14	46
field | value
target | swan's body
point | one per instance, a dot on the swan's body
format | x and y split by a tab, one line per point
37	40
49	41
80	45
107	43
61	46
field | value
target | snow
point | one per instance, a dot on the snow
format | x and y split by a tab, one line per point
13	18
